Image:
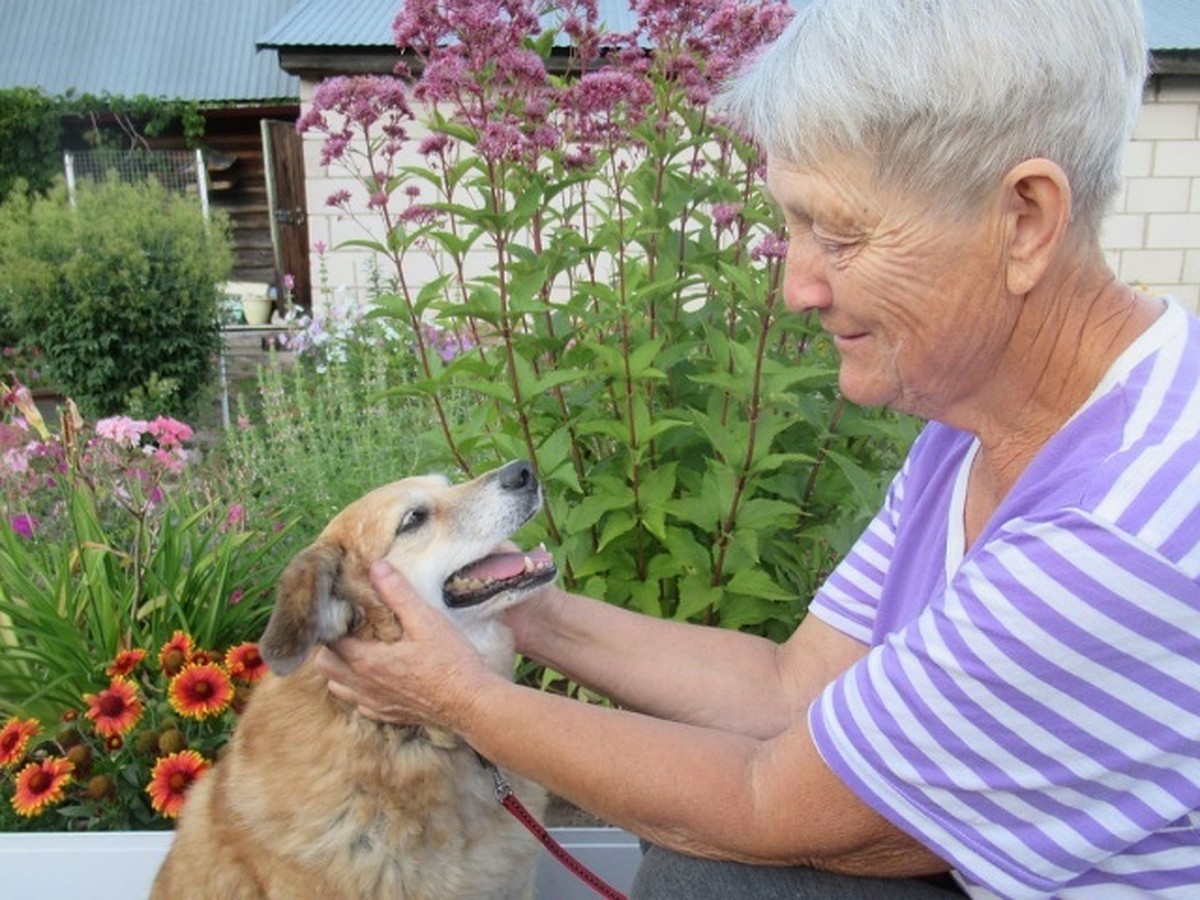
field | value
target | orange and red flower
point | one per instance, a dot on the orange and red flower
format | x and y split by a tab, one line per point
126	662
13	737
200	690
175	654
245	662
41	784
116	709
171	778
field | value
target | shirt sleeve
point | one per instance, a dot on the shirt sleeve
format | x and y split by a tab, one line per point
849	598
1040	717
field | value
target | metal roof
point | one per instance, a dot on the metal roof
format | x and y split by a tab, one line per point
341	23
212	50
1170	24
182	49
368	23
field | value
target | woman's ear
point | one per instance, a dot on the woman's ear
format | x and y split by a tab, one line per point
1038	208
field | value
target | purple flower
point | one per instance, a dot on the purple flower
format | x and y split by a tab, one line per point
234	517
446	344
24	525
500	141
773	246
433	144
599	98
419	214
725	214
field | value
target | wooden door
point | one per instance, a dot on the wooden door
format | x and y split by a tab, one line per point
289	215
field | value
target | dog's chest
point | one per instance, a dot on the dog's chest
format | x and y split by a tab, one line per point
431	827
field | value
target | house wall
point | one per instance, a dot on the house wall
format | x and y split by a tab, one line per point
1153	234
1151	237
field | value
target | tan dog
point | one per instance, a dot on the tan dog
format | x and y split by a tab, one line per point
312	800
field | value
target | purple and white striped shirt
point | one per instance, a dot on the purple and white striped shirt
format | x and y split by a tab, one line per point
1030	708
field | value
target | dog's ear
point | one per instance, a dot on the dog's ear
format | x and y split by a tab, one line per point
307	610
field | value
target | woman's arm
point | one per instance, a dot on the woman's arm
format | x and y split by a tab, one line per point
700	790
712	677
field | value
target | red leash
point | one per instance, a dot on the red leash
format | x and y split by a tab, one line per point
506	798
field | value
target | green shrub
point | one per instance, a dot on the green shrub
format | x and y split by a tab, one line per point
30	135
119	291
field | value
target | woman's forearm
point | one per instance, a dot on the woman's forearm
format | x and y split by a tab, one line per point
687	673
699	791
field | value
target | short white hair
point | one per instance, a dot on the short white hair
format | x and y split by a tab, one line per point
945	96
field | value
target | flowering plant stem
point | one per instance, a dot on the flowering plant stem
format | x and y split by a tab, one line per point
603	246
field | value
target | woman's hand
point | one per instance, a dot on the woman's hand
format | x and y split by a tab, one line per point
428	677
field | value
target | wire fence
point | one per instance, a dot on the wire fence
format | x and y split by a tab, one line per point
181	171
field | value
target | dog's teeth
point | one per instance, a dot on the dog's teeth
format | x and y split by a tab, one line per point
529	565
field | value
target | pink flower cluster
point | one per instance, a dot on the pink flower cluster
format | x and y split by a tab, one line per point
478	67
374	106
702	42
161	432
121	460
162	437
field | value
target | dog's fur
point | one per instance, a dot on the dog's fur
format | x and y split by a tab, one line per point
312	800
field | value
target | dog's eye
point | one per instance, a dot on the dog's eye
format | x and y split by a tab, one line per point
412	520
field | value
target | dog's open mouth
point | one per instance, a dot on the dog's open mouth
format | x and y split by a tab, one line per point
505	571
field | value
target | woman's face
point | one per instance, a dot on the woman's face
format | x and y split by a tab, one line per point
914	300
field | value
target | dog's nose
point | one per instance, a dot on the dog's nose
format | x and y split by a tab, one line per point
516	476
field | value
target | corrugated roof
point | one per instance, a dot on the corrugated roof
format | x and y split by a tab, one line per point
1170	24
1173	24
368	23
182	49
341	23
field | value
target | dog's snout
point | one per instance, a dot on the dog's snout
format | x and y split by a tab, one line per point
517	476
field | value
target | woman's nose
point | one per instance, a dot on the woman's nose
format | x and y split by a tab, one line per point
805	286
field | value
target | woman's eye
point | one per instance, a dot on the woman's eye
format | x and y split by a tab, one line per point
412	520
829	244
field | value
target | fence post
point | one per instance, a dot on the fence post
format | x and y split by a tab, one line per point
69	169
202	183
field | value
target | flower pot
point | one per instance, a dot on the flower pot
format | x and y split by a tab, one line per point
117	865
248	301
257	310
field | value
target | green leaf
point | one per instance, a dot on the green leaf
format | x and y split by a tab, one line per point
757	583
696	596
615	525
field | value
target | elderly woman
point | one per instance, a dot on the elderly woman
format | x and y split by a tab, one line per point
1002	680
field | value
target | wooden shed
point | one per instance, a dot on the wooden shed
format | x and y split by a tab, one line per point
204	53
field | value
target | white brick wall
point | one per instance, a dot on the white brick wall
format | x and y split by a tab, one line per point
1152	235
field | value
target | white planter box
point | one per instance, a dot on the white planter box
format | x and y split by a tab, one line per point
121	865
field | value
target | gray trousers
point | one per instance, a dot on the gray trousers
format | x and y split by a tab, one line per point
666	875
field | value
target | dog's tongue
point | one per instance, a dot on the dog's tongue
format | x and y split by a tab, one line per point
500	566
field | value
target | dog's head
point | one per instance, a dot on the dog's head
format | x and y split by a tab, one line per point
448	540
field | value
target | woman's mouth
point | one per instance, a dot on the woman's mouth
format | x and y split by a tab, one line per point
849	341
